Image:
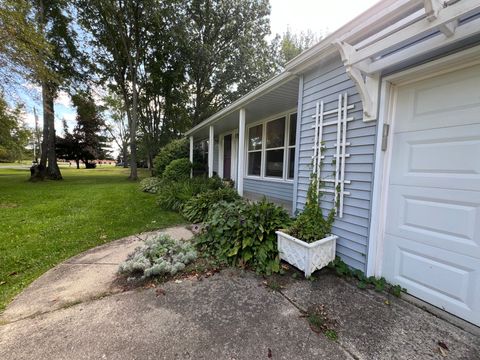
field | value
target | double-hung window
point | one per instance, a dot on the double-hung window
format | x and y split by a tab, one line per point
275	148
271	148
255	150
292	135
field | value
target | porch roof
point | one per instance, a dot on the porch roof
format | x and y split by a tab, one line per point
277	95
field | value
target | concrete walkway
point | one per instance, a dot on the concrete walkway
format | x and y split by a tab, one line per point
87	276
231	315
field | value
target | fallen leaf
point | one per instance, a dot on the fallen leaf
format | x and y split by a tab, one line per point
269	353
442	351
159	292
386	302
178	281
2	282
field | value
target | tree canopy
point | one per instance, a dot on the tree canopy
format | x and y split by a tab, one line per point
14	135
167	65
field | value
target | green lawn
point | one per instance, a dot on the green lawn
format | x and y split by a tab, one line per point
43	223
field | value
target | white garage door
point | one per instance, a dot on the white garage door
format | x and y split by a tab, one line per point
432	233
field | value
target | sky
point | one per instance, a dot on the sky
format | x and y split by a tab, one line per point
319	16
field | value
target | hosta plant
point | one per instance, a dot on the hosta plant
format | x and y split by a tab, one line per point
196	209
174	194
160	255
150	185
243	234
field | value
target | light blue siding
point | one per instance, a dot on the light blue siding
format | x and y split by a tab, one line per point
326	83
273	190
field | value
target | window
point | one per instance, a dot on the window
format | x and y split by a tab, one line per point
274	148
200	158
271	148
292	136
255	150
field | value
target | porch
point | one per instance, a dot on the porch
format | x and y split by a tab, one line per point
253	141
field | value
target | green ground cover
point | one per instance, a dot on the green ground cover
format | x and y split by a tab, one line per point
43	223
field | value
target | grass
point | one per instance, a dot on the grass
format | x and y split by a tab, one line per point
44	223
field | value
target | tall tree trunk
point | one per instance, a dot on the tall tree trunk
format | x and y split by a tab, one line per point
41	170
78	163
45	131
53	171
133	131
125	154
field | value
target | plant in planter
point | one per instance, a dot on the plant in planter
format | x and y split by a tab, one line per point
308	243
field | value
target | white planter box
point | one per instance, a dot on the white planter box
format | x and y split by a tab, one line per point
307	257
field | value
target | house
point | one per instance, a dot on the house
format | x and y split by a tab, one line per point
390	105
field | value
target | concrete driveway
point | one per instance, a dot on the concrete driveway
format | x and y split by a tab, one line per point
231	315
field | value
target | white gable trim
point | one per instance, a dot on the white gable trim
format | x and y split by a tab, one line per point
364	61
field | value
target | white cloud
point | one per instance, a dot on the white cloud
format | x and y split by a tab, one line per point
63	99
98	93
29	119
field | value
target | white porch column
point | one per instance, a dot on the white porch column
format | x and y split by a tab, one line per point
210	151
241	151
191	154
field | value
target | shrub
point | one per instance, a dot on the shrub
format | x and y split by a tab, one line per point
196	209
174	194
160	255
311	225
150	185
176	149
243	234
178	170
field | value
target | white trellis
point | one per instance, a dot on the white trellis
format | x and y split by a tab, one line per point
321	116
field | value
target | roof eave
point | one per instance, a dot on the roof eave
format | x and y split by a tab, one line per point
267	86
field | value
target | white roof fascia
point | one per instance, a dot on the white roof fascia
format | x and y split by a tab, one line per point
266	87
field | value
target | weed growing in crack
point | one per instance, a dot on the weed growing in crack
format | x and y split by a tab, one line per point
273	285
364	282
331	334
319	322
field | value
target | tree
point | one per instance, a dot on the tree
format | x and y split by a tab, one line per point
289	45
68	146
14	135
227	51
23	49
88	141
117	127
54	23
164	92
119	31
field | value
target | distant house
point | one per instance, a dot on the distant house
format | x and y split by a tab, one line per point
391	104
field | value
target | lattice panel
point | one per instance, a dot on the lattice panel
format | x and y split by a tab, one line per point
337	117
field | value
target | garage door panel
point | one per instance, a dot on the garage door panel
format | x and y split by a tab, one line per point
438	217
448	100
446	157
444	279
432	230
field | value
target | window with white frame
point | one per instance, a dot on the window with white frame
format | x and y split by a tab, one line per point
292	137
271	148
255	150
275	147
